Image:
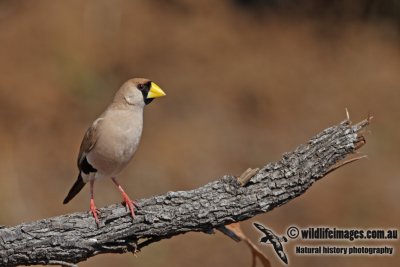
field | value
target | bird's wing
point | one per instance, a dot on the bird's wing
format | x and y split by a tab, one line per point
89	142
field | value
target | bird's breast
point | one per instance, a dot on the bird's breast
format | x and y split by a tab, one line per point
115	147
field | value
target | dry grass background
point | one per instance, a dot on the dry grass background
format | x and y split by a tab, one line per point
244	84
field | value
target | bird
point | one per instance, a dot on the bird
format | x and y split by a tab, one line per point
112	140
274	240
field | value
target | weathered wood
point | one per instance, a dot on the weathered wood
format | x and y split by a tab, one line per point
73	238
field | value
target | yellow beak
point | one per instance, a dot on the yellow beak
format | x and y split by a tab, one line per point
155	91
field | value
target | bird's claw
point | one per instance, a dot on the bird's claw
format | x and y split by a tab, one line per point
95	212
130	205
136	204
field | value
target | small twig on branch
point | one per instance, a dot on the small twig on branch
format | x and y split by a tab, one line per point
72	238
247	175
341	164
62	263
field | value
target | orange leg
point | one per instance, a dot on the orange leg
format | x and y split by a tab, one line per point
130	204
93	208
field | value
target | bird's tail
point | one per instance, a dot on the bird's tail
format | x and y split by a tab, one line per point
75	189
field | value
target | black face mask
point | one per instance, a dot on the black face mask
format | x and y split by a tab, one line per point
145	88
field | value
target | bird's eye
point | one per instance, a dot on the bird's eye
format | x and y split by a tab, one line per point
140	86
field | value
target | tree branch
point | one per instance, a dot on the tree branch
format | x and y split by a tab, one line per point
72	238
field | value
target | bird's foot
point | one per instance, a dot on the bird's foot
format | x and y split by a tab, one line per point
95	212
130	204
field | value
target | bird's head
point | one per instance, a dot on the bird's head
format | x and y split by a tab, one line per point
138	92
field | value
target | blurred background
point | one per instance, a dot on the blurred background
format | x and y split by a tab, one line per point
245	82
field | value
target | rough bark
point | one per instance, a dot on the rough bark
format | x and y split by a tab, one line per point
73	238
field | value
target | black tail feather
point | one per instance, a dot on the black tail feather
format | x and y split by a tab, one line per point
76	188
